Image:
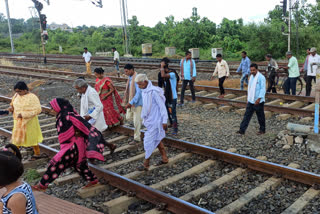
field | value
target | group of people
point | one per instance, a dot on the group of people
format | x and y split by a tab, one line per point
80	134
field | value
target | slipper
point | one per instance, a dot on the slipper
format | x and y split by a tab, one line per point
159	163
90	184
142	168
133	142
38	187
37	157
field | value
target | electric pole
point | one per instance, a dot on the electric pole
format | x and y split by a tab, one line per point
289	27
124	15
9	27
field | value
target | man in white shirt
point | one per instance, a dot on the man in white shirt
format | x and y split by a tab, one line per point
87	59
222	69
312	66
91	108
116	60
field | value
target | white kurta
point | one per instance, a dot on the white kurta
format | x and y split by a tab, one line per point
312	69
154	114
90	100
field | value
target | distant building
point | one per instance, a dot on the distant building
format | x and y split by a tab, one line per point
63	27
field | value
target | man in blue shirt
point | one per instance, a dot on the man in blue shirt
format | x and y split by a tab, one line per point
245	68
188	75
168	78
133	102
256	99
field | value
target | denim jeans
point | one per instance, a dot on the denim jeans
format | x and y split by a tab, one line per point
290	84
172	113
251	108
116	65
183	89
244	78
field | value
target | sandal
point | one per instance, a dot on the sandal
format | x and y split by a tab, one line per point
142	168
134	142
159	163
37	157
38	187
90	184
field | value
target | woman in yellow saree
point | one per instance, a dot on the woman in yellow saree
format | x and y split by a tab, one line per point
26	128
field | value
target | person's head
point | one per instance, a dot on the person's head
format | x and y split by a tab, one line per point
85	50
268	57
129	69
21	88
289	54
59	104
11	168
313	51
166	61
142	80
80	85
98	72
308	51
114	49
219	57
188	55
243	54
253	69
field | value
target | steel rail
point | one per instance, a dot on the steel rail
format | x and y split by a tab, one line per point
157	60
132	187
137	65
298	175
197	87
235	103
270	168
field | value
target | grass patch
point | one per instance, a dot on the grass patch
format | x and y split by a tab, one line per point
31	175
228	83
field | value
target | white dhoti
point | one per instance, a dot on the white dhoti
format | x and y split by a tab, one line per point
152	138
154	115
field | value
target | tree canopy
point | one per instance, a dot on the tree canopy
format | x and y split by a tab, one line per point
194	32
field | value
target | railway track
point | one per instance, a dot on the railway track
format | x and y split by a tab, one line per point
206	95
138	62
234	182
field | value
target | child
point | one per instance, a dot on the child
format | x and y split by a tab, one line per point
18	197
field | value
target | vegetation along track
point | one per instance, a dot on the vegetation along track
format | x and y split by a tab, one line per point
223	181
207	95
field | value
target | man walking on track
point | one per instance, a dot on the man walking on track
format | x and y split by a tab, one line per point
312	66
293	69
155	117
256	99
188	75
245	68
87	59
133	102
91	108
272	73
116	60
222	69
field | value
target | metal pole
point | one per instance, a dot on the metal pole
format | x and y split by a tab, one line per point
297	29
317	101
289	20
9	26
42	42
125	26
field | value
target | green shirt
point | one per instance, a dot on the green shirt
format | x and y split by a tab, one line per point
293	67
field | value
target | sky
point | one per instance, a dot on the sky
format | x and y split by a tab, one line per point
149	12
